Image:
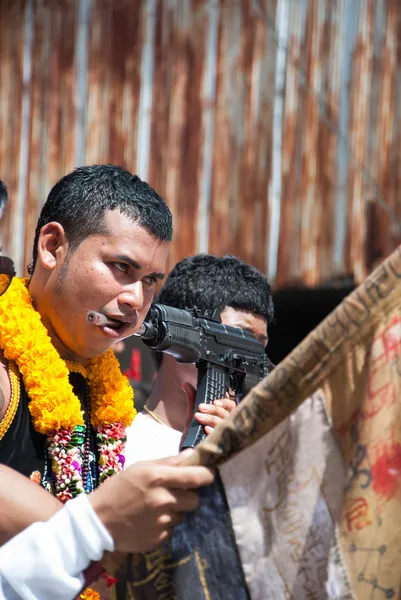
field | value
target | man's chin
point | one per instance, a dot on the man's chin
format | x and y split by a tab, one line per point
104	342
90	352
96	352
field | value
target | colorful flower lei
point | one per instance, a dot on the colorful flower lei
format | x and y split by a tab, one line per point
55	409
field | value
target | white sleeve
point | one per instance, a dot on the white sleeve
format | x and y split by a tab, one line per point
47	560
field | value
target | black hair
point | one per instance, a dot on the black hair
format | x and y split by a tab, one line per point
79	200
3	197
207	282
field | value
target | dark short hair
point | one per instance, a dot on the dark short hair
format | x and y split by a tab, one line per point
207	282
3	197
79	200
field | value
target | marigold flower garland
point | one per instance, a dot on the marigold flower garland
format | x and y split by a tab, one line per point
55	409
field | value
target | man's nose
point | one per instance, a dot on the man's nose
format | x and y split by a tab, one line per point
132	296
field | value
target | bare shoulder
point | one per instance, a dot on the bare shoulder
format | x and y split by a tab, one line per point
5	386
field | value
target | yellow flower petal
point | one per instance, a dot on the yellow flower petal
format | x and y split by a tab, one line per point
53	404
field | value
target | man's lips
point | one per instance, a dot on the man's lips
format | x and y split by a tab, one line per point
116	332
116	319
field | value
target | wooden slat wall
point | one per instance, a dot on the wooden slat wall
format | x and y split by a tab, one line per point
271	127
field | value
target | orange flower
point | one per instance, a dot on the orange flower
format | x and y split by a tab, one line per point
53	404
90	594
55	409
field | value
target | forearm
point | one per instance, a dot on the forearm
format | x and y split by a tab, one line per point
48	559
22	503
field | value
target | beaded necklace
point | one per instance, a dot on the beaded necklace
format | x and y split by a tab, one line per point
55	409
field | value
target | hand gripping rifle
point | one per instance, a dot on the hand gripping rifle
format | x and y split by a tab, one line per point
226	357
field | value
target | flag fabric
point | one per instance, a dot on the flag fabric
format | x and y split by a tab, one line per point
307	501
200	562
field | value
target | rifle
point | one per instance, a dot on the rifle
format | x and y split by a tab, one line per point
226	357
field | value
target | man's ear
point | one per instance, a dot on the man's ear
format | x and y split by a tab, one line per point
52	245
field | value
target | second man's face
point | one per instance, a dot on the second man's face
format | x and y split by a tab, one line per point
243	319
233	317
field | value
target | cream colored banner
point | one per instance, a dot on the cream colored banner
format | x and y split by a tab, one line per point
285	494
354	359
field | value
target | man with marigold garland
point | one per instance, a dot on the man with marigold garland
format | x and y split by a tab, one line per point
101	245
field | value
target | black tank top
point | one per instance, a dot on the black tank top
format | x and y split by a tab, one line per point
24	449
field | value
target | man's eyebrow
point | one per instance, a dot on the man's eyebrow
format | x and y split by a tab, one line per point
250	331
136	265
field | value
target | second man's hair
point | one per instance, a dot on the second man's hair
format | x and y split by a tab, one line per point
207	282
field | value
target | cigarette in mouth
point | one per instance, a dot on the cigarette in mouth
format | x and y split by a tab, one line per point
97	318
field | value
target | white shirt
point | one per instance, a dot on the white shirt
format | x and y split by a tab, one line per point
147	439
47	560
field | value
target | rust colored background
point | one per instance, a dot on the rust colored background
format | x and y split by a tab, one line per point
271	127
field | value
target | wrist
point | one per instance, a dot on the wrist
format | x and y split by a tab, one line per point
84	518
103	510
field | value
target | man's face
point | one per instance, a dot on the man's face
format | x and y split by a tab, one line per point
233	317
114	274
243	319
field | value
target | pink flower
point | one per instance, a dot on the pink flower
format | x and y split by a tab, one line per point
116	430
64	495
